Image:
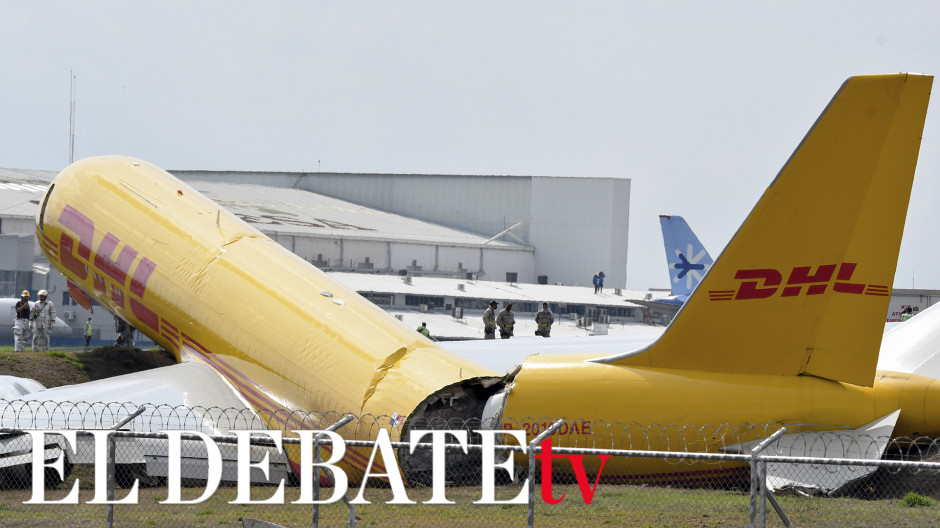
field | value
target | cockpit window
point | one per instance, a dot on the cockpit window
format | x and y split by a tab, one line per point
42	211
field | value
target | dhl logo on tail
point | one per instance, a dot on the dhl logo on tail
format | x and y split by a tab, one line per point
766	282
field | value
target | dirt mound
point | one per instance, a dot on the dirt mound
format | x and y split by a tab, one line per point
65	367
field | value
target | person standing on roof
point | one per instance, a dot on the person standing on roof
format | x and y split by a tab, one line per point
21	325
600	282
505	321
597	282
544	320
42	315
489	321
423	330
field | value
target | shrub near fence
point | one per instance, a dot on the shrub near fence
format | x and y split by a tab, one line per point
899	491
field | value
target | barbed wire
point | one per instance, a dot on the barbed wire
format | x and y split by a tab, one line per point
819	439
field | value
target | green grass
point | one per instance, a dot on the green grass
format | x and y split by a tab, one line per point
67	357
9	349
912	500
613	505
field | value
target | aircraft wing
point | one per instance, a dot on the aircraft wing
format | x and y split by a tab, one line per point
867	442
164	391
911	347
12	387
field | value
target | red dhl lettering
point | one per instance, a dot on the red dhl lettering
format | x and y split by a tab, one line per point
117	270
763	283
109	276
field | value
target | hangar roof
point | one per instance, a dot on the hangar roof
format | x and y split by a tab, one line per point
21	190
273	210
494	290
278	210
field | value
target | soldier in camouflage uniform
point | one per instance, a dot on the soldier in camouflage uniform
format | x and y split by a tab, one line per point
544	320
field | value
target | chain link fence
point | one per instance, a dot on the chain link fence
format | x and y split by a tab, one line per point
155	466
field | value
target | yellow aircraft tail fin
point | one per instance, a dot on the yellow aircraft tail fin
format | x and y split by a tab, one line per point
803	287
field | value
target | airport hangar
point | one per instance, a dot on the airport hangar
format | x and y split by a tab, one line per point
510	229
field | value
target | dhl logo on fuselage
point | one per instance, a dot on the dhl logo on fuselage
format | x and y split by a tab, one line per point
767	282
109	275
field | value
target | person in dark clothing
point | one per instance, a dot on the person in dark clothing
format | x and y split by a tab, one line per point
489	321
505	321
21	325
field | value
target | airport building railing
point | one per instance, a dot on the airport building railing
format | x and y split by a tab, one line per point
123	465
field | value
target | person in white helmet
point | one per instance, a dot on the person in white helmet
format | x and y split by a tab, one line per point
21	324
42	315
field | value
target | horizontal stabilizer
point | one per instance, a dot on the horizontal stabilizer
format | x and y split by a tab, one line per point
868	442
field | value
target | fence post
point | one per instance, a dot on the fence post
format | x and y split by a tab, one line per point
533	445
758	481
316	473
112	463
779	510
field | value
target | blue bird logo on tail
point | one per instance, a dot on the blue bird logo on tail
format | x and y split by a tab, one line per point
689	269
687	259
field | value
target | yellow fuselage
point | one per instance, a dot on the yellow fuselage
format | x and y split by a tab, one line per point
615	407
206	286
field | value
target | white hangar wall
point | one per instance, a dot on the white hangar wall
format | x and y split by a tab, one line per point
580	227
576	226
485	205
23	226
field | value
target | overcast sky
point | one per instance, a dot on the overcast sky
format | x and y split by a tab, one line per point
698	103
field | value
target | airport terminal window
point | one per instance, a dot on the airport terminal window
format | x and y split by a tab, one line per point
576	309
418	300
472	304
619	311
8	283
384	299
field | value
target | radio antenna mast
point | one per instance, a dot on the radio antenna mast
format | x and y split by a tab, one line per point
71	117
